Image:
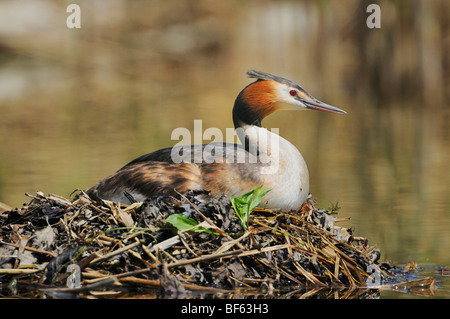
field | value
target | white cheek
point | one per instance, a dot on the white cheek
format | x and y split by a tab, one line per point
288	102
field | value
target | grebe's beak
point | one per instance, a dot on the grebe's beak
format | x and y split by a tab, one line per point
314	104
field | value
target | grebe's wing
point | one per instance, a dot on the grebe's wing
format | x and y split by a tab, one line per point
198	154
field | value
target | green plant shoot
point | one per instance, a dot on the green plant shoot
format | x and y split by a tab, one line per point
181	222
244	205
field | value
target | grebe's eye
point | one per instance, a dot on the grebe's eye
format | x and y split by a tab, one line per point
293	92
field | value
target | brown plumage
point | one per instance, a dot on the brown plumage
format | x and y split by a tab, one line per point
155	173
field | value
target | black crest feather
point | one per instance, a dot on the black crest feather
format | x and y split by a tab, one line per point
261	76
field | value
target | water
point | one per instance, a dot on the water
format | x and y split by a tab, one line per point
442	290
76	105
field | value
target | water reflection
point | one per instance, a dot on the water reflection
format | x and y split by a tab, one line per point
76	105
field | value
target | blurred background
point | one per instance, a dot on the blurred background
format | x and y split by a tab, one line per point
78	104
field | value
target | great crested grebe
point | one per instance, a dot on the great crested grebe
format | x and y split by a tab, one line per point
231	169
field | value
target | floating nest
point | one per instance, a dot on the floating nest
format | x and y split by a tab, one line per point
60	248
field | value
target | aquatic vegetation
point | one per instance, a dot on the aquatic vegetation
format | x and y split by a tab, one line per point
181	245
244	205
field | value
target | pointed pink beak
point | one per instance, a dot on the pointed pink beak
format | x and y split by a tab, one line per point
320	106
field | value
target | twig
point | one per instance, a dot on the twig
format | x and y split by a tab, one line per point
165	244
308	275
116	252
229	244
186	245
18	271
204	258
30	249
147	282
263	250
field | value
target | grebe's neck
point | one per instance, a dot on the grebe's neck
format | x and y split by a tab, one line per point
250	108
280	164
256	101
244	114
258	140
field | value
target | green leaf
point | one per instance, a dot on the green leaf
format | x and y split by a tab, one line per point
181	222
244	205
256	197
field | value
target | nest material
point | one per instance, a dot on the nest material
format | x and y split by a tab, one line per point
86	246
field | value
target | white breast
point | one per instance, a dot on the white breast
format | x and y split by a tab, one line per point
285	170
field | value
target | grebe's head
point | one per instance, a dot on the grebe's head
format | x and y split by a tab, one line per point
270	93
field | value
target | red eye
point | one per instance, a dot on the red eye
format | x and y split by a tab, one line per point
293	92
